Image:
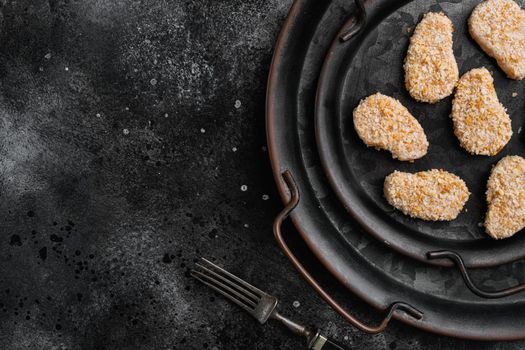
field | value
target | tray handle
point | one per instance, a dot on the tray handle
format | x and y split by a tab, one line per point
395	307
360	22
458	261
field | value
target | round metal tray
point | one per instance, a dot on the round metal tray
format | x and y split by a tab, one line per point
372	62
366	266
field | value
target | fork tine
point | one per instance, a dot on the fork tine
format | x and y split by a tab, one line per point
243	283
239	299
232	284
224	293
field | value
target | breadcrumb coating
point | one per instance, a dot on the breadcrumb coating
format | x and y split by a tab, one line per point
433	195
481	123
498	26
506	198
431	70
383	122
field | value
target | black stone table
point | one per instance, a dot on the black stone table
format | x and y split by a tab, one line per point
132	142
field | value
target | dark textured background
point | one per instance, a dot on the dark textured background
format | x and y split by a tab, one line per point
127	131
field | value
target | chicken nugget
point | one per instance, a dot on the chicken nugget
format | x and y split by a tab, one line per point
433	195
506	198
481	123
498	26
431	70
383	122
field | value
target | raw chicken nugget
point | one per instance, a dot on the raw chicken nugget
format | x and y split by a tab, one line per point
506	198
433	195
481	123
383	122
431	71
498	26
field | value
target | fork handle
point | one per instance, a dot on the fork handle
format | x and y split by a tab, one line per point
320	342
314	339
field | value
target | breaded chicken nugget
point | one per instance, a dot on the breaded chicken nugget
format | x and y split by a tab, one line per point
481	123
506	198
383	122
433	195
431	71
498	26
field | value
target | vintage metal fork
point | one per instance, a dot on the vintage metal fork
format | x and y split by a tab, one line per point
257	303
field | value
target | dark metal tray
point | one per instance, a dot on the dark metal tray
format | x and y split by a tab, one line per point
372	62
377	274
